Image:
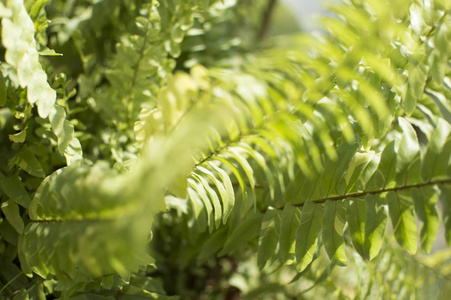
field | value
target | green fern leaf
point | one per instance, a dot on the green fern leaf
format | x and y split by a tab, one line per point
244	232
333	225
15	190
11	211
307	234
425	200
269	236
408	156
59	213
214	199
213	244
386	170
356	213
438	150
400	207
226	187
445	200
291	218
201	211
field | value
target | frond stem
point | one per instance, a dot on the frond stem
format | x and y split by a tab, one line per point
364	193
58	221
131	102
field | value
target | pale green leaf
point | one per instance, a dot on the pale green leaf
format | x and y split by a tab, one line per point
438	68
438	152
416	18
49	52
441	101
219	185
226	189
68	144
373	163
262	163
416	81
4	11
246	167
355	171
18	137
36	8
375	222
386	170
334	171
441	40
356	210
234	170
18	39
408	158
168	103
307	233
333	225
291	218
214	200
201	194
269	236
445	200
73	153
61	127
201	212
425	200
400	207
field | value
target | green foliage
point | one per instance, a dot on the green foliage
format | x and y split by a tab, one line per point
218	162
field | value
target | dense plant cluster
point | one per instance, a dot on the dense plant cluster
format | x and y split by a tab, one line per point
172	150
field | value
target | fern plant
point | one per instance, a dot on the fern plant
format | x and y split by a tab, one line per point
150	151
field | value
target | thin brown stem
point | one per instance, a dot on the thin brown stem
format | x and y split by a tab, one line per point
364	193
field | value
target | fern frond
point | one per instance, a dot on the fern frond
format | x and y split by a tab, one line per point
24	69
70	220
407	197
21	54
58	214
371	92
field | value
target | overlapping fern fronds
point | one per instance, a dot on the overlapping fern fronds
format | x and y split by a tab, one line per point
349	107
